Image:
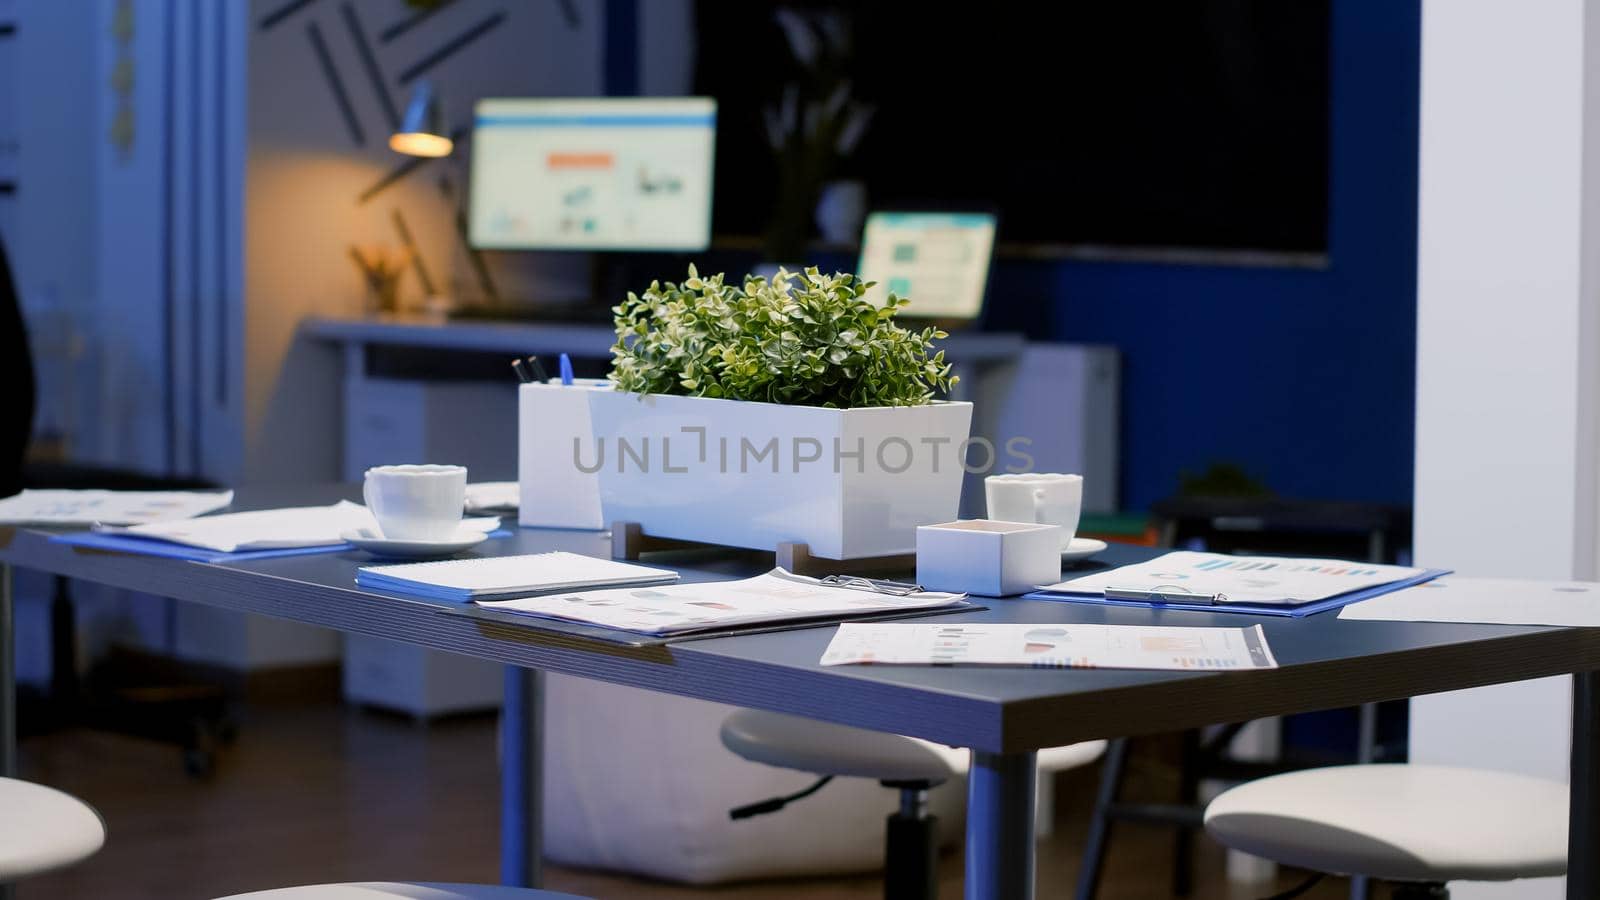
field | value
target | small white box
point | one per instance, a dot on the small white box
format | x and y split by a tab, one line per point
556	492
982	556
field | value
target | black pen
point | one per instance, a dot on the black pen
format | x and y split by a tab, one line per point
521	368
539	374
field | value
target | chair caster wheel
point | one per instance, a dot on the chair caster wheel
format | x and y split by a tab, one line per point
199	763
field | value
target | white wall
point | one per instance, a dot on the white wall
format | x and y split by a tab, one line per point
306	173
1506	453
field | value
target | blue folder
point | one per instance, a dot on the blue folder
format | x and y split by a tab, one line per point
128	543
1296	611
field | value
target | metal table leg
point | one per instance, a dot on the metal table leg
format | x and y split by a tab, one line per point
8	688
1583	833
521	778
1000	849
8	677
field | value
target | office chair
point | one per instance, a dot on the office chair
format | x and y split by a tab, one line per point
410	890
43	829
904	764
128	693
1416	827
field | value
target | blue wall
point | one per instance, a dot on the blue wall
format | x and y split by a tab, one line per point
1303	377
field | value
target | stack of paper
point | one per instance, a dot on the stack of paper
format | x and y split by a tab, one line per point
506	576
493	496
1486	601
53	507
776	596
272	529
1052	646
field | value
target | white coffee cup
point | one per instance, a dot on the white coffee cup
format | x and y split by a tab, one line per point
416	503
1043	498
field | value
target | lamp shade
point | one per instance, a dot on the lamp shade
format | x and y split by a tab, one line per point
422	130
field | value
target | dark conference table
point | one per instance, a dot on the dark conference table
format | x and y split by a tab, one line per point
1003	714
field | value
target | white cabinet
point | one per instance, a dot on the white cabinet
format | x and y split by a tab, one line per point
422	683
465	423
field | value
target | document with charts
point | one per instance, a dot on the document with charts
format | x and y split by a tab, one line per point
54	507
1270	580
1075	646
777	596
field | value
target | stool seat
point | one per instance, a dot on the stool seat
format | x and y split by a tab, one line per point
411	890
791	742
1400	822
43	829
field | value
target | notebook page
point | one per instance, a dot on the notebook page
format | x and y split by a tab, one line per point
554	570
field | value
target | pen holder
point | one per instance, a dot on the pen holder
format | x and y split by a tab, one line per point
982	556
551	419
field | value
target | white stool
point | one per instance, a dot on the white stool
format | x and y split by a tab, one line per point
1417	825
413	890
43	829
909	765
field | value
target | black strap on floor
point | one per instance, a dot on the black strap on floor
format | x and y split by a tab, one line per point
776	803
1300	888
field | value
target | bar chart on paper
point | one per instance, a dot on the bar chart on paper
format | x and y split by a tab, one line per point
1243	579
1067	646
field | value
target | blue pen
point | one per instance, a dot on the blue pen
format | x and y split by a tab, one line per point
566	369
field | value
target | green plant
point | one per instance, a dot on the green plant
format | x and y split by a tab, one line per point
1222	479
806	340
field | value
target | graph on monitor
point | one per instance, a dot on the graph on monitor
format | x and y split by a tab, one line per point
592	174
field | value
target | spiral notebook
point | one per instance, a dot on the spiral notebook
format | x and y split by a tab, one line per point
486	578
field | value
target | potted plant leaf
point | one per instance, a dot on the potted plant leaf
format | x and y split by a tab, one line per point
789	409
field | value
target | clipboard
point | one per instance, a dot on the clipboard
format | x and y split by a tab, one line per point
115	542
1161	599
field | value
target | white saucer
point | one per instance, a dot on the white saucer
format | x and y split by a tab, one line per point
369	540
1081	549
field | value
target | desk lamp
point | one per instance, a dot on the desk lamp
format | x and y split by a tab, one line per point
422	131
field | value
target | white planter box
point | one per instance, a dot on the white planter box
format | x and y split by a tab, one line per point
851	483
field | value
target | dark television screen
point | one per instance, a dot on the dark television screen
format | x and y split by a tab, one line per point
1201	123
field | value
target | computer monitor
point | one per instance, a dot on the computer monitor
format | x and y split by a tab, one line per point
938	260
592	174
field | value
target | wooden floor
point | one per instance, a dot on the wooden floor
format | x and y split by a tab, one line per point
316	793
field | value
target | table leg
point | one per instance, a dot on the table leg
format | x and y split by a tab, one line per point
8	689
1583	831
1000	826
522	778
8	677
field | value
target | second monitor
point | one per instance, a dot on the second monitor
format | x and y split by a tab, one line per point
592	174
938	260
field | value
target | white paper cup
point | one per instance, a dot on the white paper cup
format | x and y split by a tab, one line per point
416	503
